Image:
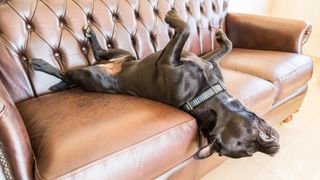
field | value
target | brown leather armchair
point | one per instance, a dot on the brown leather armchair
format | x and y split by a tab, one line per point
81	135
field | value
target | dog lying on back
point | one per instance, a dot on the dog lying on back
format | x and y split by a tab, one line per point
180	79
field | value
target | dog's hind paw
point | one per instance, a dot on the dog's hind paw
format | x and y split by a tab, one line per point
221	37
223	40
61	86
37	64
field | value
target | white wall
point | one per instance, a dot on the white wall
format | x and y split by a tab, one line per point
308	10
261	7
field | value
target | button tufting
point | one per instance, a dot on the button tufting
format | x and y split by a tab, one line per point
153	36
56	54
29	27
109	42
84	50
137	14
115	16
214	8
156	11
202	9
24	58
188	9
133	40
89	18
62	22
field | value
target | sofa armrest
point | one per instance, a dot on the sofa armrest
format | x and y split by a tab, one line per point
267	33
16	158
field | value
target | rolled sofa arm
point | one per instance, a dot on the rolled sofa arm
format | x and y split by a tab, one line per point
16	158
267	33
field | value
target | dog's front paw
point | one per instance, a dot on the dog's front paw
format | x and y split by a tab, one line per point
173	19
87	31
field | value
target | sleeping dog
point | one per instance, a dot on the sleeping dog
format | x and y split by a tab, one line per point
180	79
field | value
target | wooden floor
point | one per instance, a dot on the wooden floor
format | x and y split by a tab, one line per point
299	156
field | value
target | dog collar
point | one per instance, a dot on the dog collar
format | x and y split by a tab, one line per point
207	94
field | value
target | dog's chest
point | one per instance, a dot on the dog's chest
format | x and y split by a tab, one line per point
112	68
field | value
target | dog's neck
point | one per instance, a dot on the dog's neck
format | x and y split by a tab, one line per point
215	111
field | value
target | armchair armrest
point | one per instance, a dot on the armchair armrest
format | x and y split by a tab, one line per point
267	33
16	158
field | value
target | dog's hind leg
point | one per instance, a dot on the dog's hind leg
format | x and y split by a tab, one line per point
171	54
218	54
43	66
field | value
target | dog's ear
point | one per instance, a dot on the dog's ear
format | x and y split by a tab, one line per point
268	141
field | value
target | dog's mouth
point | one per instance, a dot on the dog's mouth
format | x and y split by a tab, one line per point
217	146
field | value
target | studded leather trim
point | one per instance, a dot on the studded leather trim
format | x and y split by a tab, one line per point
307	35
4	164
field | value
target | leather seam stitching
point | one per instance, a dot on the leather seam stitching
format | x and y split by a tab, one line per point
283	78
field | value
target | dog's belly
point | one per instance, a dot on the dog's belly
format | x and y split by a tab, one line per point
164	83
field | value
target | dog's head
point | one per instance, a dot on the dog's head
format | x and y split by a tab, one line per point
234	130
240	133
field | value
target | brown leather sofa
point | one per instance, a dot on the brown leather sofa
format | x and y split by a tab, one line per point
80	135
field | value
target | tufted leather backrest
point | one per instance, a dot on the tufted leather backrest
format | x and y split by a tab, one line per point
53	30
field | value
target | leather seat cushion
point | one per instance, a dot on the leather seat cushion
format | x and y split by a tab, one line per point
81	134
287	71
255	93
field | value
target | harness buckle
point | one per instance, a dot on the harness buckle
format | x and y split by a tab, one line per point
189	107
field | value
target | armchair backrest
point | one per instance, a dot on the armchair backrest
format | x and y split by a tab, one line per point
53	30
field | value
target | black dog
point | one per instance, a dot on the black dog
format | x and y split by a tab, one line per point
177	78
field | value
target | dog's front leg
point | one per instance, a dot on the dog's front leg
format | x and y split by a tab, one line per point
99	53
171	54
96	48
218	54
